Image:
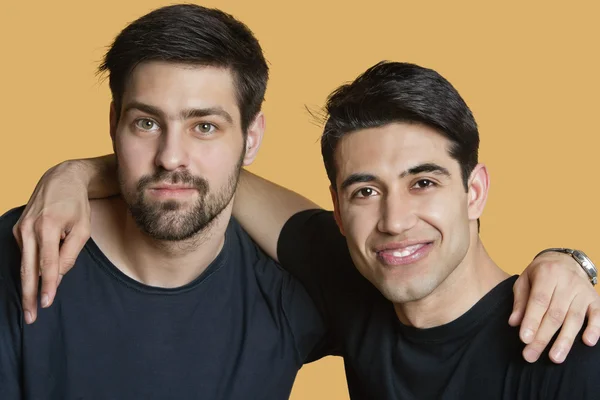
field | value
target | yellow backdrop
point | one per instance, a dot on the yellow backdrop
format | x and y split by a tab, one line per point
528	70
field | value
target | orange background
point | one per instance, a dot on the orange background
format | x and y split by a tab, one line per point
528	70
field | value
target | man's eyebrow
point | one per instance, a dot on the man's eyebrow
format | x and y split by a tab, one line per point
427	167
147	108
205	112
357	178
185	114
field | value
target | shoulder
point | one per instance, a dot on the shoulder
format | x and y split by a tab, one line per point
241	244
10	279
312	244
285	295
10	260
246	255
578	377
312	238
312	223
9	219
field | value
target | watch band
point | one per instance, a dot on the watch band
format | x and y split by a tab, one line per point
582	259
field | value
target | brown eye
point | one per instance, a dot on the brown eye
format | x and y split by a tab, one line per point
423	184
365	192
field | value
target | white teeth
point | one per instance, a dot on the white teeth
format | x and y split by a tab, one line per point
407	251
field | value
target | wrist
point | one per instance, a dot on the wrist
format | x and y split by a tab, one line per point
75	171
581	262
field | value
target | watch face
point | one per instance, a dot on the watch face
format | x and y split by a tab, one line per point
585	262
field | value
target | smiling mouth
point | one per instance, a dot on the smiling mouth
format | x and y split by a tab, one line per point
404	255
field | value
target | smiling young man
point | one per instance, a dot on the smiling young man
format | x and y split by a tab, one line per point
170	298
418	307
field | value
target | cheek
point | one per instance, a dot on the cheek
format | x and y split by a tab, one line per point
135	157
446	211
360	222
214	160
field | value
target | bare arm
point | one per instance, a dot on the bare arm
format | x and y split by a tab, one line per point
263	207
100	176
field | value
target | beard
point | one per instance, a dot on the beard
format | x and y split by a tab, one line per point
171	220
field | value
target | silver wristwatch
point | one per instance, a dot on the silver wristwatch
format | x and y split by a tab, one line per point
583	260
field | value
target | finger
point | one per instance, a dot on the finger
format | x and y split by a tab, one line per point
592	330
521	294
551	323
71	247
537	305
570	329
29	277
17	234
48	236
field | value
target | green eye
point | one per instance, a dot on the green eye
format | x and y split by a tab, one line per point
146	124
205	128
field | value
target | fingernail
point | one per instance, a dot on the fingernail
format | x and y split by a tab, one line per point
593	339
559	355
45	300
512	318
28	317
527	335
531	355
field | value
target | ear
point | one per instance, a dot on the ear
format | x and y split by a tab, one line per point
254	138
336	210
479	185
113	122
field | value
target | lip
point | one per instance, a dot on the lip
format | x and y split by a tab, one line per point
171	187
388	254
400	245
171	191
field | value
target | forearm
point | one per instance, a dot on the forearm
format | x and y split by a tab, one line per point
98	174
263	207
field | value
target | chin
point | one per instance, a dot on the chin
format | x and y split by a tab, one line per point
406	291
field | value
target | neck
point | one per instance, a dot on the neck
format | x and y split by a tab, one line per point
166	264
472	279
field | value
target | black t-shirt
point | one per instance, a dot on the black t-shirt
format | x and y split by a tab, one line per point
241	330
477	356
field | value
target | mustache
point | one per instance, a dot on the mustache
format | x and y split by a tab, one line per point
174	177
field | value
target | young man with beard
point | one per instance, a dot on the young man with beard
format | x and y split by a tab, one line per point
170	298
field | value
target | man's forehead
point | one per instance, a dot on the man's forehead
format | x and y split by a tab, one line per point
174	87
395	145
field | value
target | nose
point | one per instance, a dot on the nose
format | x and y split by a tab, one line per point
397	215
172	151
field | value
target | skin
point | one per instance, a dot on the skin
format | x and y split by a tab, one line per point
410	226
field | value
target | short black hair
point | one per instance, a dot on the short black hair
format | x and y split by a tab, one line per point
391	92
191	34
